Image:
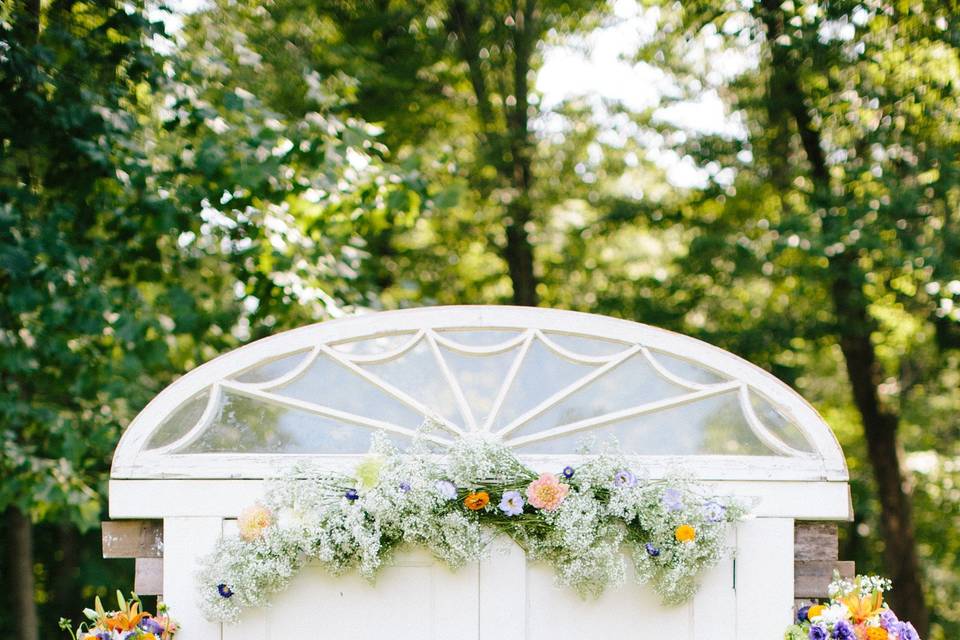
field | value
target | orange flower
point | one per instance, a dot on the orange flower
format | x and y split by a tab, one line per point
476	500
863	608
685	533
877	633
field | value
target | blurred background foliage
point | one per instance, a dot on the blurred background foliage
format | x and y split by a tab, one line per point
777	178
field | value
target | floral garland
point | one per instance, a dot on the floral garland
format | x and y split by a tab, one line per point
856	611
577	521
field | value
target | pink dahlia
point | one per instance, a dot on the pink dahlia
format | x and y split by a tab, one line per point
547	492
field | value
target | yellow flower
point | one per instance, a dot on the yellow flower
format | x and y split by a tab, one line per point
253	520
367	472
477	500
685	533
877	633
815	611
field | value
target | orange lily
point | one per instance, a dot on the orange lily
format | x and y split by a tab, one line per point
863	608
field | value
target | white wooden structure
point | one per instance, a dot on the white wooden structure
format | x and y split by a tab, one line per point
539	381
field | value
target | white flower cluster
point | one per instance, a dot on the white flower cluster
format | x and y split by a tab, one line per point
863	585
577	521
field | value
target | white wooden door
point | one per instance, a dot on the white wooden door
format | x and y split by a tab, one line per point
504	597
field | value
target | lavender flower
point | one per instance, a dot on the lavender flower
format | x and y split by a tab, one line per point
568	472
672	499
351	494
888	619
843	630
512	503
818	632
151	626
907	632
713	511
224	591
446	489
652	550
624	478
405	487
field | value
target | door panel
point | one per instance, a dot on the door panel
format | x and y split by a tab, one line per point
414	599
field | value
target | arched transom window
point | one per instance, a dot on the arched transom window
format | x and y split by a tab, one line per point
543	382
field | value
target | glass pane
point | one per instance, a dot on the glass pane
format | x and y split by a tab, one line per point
714	425
273	369
687	370
542	374
374	345
328	383
247	425
417	374
779	424
479	338
480	377
631	383
587	346
180	421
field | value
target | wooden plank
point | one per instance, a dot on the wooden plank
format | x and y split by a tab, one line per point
132	539
811	577
148	579
815	541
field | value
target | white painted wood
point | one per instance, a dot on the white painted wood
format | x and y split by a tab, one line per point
414	599
503	584
764	577
227	498
716	601
185	539
131	461
626	611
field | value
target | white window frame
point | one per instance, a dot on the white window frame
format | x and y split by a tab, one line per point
133	462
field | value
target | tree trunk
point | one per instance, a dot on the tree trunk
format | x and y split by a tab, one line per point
509	151
519	251
64	574
853	329
21	584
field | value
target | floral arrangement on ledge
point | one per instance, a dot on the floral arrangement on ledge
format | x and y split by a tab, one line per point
856	611
129	622
576	520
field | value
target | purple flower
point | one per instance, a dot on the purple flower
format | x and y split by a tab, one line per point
224	591
843	630
568	472
512	503
351	494
802	613
713	511
624	478
103	635
446	489
672	499
652	550
151	626
907	632
888	619
405	487
818	632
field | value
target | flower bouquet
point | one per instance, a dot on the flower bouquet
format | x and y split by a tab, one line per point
856	611
128	622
